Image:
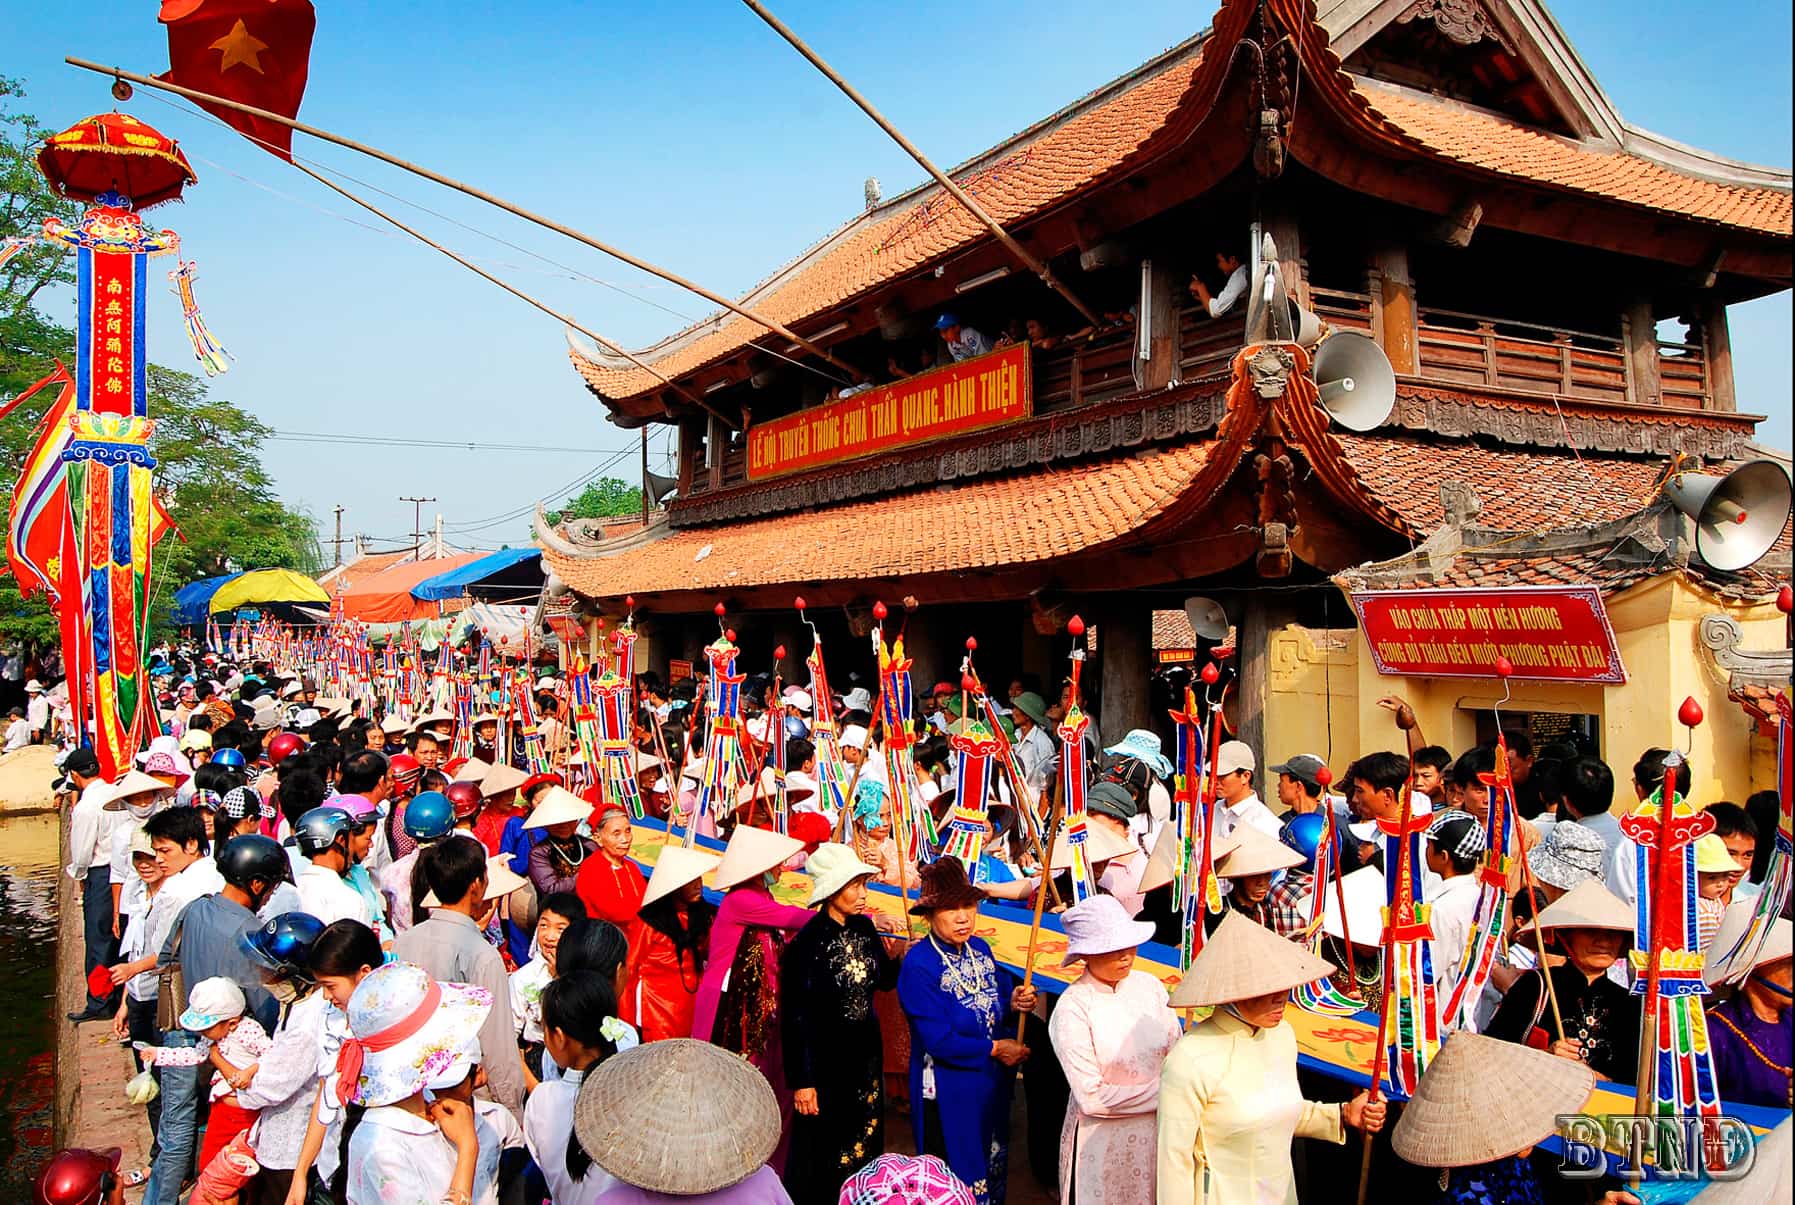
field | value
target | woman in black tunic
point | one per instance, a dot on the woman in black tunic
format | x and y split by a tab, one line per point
834	1057
1592	929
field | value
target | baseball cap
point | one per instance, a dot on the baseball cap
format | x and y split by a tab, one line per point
81	761
1303	767
1236	755
211	1001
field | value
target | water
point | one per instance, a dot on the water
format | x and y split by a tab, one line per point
28	869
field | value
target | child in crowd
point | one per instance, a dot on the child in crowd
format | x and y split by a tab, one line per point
136	1020
234	1044
558	911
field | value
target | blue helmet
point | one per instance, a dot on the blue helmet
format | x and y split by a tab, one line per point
429	816
795	728
318	829
229	757
284	943
1303	833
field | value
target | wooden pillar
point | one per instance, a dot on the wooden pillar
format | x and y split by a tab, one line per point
1396	303
1266	612
1125	647
1161	288
1640	330
1717	346
1282	226
716	446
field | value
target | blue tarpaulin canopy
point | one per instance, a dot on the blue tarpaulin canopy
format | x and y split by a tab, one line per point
192	600
453	584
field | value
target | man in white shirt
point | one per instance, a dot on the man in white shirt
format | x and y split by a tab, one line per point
322	835
1221	303
1036	755
90	858
18	730
178	836
862	759
37	711
1648	776
963	343
1241	804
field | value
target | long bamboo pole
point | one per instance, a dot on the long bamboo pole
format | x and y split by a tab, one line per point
597	338
480	194
959	194
1034	929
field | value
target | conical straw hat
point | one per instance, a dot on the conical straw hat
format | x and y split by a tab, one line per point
1588	905
633	1106
1482	1099
753	851
1365	893
1103	844
1243	959
676	867
502	778
1776	945
1256	853
1767	1183
473	770
1165	847
558	805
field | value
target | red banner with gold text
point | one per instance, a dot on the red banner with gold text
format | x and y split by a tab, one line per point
1549	633
972	395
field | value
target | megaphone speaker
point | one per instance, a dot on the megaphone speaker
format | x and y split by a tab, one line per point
1737	517
1358	386
659	486
1207	618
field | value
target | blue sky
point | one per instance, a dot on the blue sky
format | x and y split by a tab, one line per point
687	132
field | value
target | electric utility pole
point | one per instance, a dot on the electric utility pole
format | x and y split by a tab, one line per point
417	524
337	543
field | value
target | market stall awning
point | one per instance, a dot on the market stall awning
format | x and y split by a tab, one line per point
385	597
260	586
504	624
190	600
508	567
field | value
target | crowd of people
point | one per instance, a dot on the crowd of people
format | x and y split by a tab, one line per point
373	958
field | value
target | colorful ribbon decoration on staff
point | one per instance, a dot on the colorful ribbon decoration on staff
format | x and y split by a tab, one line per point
1195	889
913	822
1667	957
832	774
206	347
617	757
969	819
1780	872
1489	922
1411	1006
1073	777
1321	996
722	776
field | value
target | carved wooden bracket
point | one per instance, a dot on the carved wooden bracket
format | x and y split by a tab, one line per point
1462	21
1721	634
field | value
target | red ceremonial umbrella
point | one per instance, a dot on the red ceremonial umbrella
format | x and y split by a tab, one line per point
114	152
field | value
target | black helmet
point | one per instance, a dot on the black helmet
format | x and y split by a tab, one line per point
284	943
250	857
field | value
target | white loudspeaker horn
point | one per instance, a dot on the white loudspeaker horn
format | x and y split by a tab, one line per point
1358	386
1273	316
1737	517
1207	618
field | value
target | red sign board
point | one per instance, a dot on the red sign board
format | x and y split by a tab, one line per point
972	395
1549	633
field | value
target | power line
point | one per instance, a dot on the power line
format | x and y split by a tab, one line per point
519	512
394	441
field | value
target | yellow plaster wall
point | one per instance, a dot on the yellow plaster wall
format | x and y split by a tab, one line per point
1656	624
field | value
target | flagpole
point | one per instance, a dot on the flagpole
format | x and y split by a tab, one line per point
509	288
147	81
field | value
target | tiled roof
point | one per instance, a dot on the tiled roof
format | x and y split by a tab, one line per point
1054	165
1485	140
1519	490
1172	630
1116	128
1027	518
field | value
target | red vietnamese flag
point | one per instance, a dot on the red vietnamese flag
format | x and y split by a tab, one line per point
254	52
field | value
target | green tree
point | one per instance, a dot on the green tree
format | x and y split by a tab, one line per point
606	498
208	451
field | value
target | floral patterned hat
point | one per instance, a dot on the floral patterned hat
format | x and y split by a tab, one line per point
407	1030
905	1180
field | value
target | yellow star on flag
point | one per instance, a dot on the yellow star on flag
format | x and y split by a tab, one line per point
237	47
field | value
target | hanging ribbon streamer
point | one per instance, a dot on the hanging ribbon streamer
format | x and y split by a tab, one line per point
723	767
1411	1021
1322	996
1778	874
206	347
832	774
973	748
1489	923
1073	778
915	823
1667	957
1194	886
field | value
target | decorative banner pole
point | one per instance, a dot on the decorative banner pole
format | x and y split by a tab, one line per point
1322	996
912	823
974	747
831	771
723	746
776	734
1676	1069
84	519
974	694
1194	889
1072	776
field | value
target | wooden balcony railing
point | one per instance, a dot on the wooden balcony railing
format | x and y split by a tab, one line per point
1084	371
